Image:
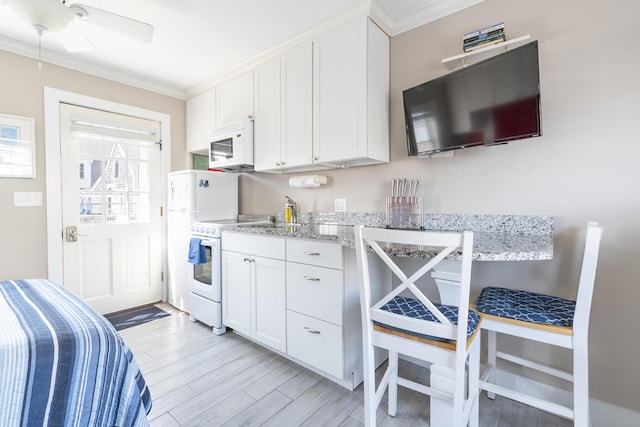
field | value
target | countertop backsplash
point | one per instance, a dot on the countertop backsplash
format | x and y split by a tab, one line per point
511	224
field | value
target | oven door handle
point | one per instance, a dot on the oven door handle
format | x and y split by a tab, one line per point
206	242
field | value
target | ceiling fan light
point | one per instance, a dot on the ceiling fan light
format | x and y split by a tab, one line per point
51	15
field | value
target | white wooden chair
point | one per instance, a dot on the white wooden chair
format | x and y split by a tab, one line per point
546	319
416	326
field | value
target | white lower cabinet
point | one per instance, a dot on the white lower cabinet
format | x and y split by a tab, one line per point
253	288
316	306
298	296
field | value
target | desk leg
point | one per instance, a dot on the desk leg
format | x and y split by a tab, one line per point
447	278
441	378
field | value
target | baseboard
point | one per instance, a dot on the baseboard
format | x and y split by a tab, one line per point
602	413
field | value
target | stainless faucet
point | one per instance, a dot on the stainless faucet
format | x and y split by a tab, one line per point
290	211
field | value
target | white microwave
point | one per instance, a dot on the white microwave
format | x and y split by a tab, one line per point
231	147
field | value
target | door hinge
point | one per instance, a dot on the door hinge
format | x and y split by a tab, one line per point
162	276
161	214
159	144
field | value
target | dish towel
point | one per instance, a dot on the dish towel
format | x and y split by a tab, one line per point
197	252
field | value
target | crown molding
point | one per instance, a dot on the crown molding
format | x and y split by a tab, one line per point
66	61
430	12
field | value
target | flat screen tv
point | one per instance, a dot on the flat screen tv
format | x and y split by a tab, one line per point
491	102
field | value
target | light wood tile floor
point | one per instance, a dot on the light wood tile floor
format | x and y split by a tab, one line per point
199	379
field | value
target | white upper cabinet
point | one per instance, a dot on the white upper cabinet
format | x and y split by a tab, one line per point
322	104
351	95
266	127
234	100
296	114
201	120
283	112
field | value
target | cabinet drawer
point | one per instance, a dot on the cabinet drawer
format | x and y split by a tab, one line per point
315	291
323	254
315	342
251	244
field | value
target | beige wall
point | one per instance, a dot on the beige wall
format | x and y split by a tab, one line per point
23	250
584	167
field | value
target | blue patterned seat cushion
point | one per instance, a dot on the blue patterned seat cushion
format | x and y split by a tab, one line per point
412	307
526	306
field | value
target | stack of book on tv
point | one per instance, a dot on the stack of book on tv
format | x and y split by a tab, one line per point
484	37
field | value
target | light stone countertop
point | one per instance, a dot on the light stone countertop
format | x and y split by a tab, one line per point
496	237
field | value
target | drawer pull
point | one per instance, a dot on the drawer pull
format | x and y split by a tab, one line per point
313	279
311	331
312	253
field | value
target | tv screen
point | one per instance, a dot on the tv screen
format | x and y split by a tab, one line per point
491	102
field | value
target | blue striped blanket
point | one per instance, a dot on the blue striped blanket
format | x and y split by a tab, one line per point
62	363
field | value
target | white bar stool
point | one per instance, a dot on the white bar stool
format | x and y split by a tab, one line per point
549	320
413	325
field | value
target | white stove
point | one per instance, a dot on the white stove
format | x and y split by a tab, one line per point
205	283
213	229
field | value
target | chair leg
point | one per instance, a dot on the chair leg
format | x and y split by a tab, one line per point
581	413
474	383
491	359
370	405
393	383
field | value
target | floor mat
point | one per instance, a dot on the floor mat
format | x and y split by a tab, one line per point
135	316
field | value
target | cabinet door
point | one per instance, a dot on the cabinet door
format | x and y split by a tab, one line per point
339	93
201	120
297	91
269	322
236	292
234	100
267	116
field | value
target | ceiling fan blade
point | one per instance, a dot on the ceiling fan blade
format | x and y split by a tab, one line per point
50	14
74	40
117	23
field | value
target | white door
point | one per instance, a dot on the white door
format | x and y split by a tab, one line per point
111	208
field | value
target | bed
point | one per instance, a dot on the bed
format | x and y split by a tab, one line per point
62	363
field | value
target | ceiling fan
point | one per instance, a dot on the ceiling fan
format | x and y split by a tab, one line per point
56	16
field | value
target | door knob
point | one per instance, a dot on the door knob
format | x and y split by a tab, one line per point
71	233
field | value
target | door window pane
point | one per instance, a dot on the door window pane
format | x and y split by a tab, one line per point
114	179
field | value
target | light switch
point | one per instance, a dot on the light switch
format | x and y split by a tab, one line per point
27	198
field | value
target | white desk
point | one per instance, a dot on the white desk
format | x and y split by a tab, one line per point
496	238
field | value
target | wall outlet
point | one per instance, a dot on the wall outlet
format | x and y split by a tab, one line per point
340	205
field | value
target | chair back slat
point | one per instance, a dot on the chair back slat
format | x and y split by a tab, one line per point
587	277
408	283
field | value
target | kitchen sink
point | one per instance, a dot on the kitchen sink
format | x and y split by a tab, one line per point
285	225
